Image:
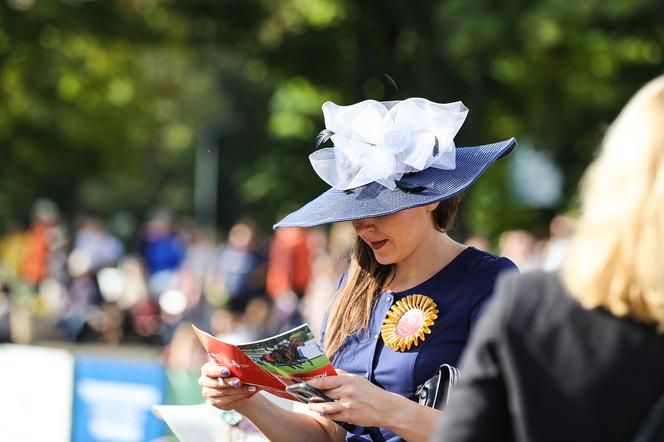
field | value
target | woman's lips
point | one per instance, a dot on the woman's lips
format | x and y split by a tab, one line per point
377	244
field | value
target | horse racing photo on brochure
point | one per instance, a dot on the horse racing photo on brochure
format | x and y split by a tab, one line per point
293	355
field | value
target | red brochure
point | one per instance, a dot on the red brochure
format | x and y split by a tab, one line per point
271	364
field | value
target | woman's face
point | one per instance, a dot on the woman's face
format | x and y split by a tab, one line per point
394	238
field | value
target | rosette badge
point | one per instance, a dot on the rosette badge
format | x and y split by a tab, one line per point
382	141
408	321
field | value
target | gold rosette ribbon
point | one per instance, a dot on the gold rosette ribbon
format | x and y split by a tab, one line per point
408	321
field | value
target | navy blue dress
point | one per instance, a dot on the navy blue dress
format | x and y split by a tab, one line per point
460	290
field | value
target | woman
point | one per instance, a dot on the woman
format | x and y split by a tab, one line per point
411	294
580	355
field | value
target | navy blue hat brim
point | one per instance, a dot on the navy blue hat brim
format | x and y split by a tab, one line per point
373	199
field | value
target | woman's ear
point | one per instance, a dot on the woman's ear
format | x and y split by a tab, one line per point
432	207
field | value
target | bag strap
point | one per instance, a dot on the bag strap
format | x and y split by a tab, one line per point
449	375
374	433
435	392
652	428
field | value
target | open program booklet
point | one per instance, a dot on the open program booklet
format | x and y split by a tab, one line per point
271	364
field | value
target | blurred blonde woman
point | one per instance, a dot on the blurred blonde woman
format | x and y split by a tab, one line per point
580	355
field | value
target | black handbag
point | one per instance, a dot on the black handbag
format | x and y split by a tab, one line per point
435	393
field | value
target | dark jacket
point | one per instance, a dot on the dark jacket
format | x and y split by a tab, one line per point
539	367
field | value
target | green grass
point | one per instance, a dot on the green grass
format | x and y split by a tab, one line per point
319	362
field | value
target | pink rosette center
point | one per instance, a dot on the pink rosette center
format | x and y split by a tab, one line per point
410	323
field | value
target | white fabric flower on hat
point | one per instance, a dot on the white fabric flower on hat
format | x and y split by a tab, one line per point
382	141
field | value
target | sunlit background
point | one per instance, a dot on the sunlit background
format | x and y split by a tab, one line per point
147	147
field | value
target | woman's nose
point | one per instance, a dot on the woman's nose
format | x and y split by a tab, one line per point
362	225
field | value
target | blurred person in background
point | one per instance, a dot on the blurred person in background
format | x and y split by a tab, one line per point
145	322
330	255
201	255
259	320
520	246
93	239
324	277
83	298
39	241
579	355
42	275
133	292
162	251
561	229
192	278
288	273
411	294
87	314
228	326
12	249
255	322
241	266
5	311
479	241
161	248
341	243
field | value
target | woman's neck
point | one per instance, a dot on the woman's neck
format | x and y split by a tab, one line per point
427	260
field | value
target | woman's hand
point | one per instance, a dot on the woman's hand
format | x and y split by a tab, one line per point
357	401
222	390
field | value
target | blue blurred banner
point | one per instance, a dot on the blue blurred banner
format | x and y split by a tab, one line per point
113	399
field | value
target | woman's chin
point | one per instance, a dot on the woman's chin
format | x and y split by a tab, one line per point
383	259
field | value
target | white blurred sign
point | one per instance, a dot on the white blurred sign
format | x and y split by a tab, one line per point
202	423
36	386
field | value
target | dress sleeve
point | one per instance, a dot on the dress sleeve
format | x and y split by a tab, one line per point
478	408
485	284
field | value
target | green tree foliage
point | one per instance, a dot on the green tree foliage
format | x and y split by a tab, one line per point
100	104
104	101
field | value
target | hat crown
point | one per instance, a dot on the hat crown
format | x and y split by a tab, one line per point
381	141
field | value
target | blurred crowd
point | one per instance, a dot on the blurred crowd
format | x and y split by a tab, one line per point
81	282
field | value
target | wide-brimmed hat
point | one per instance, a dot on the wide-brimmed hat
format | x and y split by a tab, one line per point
390	156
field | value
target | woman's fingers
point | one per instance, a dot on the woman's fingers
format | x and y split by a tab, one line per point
205	381
332	410
217	392
356	400
227	398
227	393
211	393
230	382
214	382
329	382
221	389
212	370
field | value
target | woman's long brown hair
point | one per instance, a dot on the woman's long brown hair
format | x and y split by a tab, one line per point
365	280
